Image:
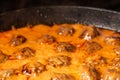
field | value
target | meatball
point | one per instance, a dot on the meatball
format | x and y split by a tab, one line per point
65	47
17	40
62	76
33	68
3	57
58	61
111	74
117	50
116	62
23	53
4	74
112	40
46	39
87	72
91	47
96	60
65	31
89	33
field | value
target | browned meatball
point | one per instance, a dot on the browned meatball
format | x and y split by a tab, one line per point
65	47
17	40
87	72
111	74
91	47
96	60
117	50
4	74
89	33
60	60
3	57
33	68
65	31
46	39
112	40
23	53
62	76
116	62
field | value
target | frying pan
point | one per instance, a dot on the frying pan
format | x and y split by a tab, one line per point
60	14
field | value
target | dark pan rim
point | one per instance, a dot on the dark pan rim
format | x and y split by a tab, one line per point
98	17
83	7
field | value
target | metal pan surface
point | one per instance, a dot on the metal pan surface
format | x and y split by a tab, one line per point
61	14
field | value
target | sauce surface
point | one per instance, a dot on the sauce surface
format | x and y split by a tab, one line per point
60	52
